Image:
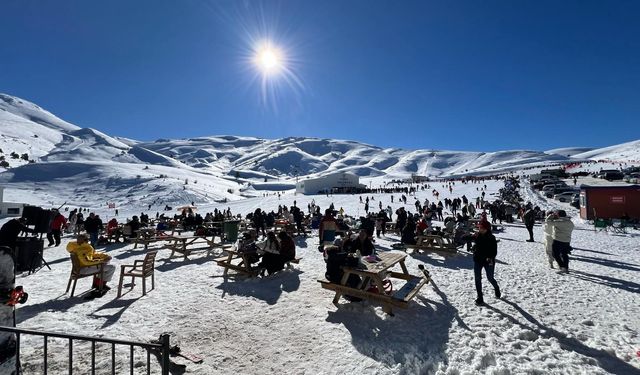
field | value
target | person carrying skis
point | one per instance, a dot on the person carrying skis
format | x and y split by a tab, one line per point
484	256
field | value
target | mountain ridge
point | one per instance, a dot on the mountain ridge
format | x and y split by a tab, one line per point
234	165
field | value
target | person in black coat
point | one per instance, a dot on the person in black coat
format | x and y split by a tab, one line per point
10	231
529	219
363	243
484	256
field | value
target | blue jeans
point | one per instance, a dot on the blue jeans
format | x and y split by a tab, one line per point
488	269
93	237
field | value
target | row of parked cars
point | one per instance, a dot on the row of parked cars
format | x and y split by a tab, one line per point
630	175
552	187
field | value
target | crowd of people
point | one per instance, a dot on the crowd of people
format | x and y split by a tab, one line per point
341	237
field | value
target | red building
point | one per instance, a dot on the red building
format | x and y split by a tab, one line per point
609	201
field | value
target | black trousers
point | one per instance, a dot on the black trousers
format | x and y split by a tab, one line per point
530	230
54	234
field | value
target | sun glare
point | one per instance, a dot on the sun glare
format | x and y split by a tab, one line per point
268	59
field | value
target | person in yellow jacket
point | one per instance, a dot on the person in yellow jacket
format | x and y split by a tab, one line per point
91	259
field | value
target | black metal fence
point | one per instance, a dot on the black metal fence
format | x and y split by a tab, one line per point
160	349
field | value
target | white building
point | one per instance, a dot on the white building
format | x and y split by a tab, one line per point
8	208
338	183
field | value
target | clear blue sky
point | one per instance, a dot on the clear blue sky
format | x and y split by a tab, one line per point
461	75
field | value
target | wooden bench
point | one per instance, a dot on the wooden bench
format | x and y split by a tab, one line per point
373	273
242	267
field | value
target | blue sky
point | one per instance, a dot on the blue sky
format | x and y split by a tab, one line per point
460	75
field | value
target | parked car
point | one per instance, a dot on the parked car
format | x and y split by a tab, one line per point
564	196
632	178
612	176
558	190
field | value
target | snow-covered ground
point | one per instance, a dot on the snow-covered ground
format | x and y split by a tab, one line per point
586	322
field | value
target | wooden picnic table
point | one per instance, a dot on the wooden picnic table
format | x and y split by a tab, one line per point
435	243
373	273
177	229
243	267
150	235
180	244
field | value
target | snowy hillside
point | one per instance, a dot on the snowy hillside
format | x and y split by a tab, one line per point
621	152
60	162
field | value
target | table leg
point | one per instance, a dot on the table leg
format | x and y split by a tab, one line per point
404	267
226	269
345	277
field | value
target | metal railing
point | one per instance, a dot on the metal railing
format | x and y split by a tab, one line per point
162	347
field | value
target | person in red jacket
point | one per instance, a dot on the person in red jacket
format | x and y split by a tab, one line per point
55	230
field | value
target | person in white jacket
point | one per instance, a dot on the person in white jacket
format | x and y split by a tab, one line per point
548	241
561	229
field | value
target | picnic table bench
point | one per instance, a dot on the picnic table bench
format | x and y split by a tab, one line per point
243	267
434	243
373	273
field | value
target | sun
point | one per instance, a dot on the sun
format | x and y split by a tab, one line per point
268	59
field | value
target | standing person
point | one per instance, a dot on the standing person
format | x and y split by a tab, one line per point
484	256
11	230
93	225
55	230
548	242
529	219
561	229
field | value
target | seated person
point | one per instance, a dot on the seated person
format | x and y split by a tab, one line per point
348	244
162	226
363	243
336	259
113	230
422	227
408	233
287	247
271	259
134	224
90	260
247	245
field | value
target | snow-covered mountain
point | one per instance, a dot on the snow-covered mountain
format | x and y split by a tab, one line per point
44	151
